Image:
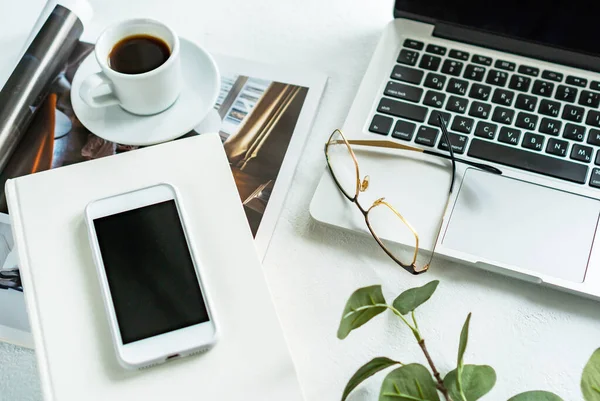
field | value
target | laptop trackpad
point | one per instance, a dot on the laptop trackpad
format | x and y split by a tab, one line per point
504	220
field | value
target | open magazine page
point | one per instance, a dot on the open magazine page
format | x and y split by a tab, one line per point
263	115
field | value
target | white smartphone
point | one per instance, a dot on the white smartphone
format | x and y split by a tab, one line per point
149	276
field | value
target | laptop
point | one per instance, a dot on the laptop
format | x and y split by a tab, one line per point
518	84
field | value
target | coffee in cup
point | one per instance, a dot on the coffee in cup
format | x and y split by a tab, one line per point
138	54
140	65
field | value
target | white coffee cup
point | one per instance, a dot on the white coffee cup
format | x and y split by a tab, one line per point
145	93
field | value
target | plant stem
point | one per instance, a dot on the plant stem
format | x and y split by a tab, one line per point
436	374
414	320
391	308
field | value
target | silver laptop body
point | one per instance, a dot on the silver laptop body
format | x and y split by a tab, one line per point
530	109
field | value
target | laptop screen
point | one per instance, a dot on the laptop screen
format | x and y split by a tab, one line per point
571	25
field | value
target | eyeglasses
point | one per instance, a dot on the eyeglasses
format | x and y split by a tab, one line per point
343	165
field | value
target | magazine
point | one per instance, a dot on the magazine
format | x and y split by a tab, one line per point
263	114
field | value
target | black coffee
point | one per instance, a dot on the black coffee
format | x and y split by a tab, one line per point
138	54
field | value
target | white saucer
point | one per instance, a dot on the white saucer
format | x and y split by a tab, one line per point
201	84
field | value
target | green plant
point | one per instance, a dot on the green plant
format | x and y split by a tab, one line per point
414	382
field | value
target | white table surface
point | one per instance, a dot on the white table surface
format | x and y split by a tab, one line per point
535	338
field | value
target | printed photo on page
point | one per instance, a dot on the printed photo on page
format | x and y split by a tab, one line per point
14	325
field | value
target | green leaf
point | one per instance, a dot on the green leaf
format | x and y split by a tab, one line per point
536	396
464	338
477	381
409	383
366	371
409	300
590	379
361	308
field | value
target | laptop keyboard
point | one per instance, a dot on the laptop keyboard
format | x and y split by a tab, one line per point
496	110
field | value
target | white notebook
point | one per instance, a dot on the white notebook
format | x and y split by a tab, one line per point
76	361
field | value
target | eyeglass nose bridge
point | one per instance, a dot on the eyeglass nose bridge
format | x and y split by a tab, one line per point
364	184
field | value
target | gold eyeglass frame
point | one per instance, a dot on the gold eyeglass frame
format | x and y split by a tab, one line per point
362	186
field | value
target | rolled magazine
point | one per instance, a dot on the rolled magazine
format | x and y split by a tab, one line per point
47	52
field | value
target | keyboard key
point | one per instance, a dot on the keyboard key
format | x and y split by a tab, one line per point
597	161
408	57
435	49
574	132
595	178
552	76
509	135
527	70
452	67
573	113
529	161
457	86
457	104
503	115
595	86
593	118
483	60
427	136
413	44
458	54
527	121
582	153
381	124
503	97
462	124
435	81
589	99
458	142
533	141
486	130
505	65
404	92
404	130
402	109
549	108
526	102
577	81
481	92
550	126
434	99
496	77
594	137
429	62
519	83
407	74
542	88
566	93
474	72
557	147
433	118
480	110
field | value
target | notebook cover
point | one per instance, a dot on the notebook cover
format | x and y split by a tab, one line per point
76	360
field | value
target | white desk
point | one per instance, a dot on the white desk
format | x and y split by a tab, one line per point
535	338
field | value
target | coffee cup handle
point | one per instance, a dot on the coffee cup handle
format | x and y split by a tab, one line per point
88	89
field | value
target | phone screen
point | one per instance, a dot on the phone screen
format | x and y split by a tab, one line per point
151	276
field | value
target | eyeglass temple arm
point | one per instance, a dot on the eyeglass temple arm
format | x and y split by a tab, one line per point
394	145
